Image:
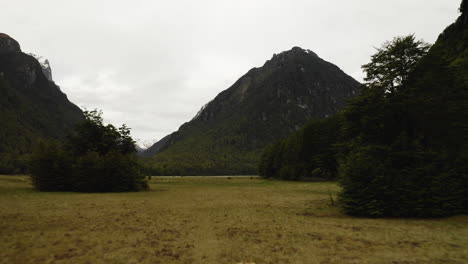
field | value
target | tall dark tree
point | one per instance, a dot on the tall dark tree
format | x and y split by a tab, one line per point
392	64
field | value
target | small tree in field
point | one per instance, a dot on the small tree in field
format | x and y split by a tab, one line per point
95	158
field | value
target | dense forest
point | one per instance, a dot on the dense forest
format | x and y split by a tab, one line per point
308	154
402	147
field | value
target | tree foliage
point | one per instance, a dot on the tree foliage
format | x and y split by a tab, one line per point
12	163
50	167
392	64
93	135
310	153
96	158
406	147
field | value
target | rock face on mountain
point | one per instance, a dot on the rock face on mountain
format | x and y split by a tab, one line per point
31	105
47	70
45	65
264	105
8	45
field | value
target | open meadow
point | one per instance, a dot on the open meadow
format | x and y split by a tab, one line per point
213	220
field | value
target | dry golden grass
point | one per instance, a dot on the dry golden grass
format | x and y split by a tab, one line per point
213	220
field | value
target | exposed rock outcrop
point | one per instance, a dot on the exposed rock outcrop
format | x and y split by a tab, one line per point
45	65
8	44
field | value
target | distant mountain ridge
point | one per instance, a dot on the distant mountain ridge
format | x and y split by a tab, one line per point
31	104
264	105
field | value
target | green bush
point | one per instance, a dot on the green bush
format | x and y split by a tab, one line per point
381	181
97	158
112	172
50	167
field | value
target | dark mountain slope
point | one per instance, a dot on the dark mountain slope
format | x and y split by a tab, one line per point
264	105
31	106
439	87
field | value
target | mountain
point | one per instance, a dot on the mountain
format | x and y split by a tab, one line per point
266	104
31	104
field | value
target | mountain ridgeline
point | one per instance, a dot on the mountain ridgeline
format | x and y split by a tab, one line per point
268	103
32	107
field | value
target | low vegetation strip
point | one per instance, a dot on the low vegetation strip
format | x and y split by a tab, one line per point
213	220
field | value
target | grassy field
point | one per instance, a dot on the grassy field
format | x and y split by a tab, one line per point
213	220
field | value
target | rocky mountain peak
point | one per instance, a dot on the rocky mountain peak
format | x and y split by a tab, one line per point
294	77
8	44
300	51
45	65
293	55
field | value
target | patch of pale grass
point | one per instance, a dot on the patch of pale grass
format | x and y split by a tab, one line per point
213	220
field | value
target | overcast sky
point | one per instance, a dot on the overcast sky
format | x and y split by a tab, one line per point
153	64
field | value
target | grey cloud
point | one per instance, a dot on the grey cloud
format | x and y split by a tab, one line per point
153	64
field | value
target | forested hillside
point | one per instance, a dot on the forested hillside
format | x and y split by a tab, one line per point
31	106
268	103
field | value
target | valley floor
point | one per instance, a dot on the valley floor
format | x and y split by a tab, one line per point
213	220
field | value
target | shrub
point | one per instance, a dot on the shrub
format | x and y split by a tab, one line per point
50	167
97	158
